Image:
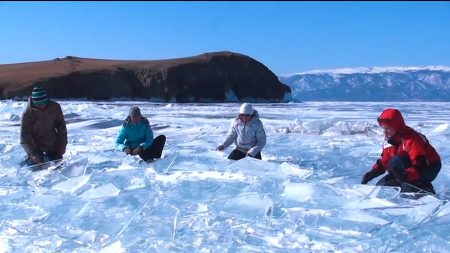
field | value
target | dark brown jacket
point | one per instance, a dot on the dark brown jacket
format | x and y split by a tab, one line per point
43	130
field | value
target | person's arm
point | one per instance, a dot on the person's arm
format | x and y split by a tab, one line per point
120	139
148	138
260	140
379	167
231	136
416	151
60	126
26	138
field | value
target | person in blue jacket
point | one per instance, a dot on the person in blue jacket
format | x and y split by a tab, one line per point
135	137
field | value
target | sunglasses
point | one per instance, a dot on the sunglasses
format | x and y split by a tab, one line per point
245	115
382	121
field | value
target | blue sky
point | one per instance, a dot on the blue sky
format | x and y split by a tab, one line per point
287	37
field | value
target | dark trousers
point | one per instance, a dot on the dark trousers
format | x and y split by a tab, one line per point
45	157
155	150
396	177
238	155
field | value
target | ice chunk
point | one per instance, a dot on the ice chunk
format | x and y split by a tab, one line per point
294	170
104	191
258	167
72	184
251	206
115	247
299	192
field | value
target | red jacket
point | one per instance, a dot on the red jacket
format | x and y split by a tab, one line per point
406	142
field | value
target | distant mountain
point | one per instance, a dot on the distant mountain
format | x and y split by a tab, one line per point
371	84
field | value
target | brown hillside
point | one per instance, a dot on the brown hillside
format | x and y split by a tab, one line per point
207	77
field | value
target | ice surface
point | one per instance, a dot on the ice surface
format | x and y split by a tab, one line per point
304	196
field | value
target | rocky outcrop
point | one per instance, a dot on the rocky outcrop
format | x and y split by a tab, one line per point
210	77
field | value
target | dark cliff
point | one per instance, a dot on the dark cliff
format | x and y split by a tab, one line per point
210	77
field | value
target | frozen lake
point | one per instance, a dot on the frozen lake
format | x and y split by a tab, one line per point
305	195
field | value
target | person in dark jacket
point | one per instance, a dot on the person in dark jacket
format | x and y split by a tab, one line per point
43	132
408	157
135	137
247	133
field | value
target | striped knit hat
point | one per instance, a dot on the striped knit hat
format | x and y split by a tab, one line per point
39	95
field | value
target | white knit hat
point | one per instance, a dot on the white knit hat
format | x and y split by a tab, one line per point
246	108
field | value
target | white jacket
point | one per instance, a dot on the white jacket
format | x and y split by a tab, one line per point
248	137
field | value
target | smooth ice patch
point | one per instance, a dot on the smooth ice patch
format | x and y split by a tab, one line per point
72	184
108	190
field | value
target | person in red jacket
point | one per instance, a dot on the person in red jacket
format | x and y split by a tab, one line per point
408	157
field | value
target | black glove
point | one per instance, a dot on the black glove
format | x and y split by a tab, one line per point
127	150
370	175
397	173
367	177
398	164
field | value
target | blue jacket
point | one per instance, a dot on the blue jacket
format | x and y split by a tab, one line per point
132	135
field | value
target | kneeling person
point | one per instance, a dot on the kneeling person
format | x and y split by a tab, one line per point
43	132
247	133
409	157
135	137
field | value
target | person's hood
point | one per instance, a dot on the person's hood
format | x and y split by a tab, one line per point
392	118
255	115
127	122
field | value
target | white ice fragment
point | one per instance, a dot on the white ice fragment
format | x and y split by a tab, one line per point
307	211
333	180
362	217
123	166
136	183
274	241
176	176
168	178
217	175
5	192
9	231
370	191
4	245
250	230
257	167
202	207
42	243
299	192
249	204
115	247
294	170
75	168
441	128
332	231
86	237
369	203
72	184
39	218
103	191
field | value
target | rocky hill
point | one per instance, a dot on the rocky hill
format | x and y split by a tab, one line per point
210	77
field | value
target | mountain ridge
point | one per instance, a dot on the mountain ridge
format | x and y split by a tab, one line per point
430	83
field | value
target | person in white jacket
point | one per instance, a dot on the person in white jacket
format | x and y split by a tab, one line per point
247	133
